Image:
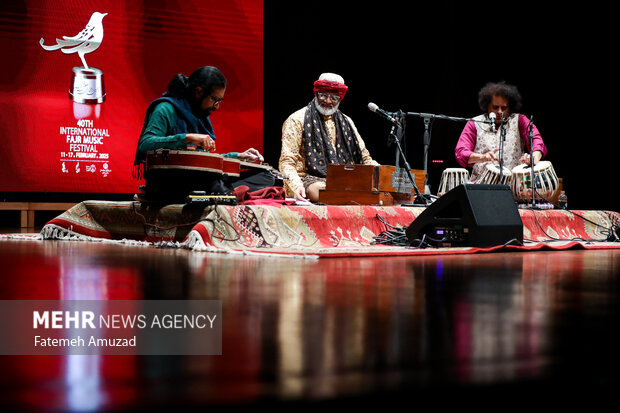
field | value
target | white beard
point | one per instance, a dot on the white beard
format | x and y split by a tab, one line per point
324	111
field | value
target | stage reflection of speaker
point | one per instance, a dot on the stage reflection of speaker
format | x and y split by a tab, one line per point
475	215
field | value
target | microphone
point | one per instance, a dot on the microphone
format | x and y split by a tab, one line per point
376	109
492	117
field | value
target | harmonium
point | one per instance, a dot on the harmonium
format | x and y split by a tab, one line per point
354	184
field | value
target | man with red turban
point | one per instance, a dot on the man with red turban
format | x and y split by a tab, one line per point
317	135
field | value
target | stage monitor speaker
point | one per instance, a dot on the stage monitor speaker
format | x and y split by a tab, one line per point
473	215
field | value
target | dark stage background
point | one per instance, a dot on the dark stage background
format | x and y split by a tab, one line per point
429	57
433	57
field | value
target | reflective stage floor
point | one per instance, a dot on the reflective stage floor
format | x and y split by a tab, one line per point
488	331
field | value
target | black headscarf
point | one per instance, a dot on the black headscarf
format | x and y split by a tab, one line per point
186	122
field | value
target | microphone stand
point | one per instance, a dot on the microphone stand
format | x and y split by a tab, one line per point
419	198
427	133
502	138
426	142
397	133
533	181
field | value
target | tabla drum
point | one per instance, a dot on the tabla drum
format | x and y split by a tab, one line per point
491	175
451	178
546	182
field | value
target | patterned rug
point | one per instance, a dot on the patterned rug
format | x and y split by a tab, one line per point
305	231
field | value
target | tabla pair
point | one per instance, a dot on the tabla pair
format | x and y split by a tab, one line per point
519	179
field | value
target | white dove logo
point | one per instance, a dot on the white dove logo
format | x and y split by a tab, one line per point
86	41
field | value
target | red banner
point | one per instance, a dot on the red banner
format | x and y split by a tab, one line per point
53	142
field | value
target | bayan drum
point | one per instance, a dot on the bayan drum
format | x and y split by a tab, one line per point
451	178
491	175
546	182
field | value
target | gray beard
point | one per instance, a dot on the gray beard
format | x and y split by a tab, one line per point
323	111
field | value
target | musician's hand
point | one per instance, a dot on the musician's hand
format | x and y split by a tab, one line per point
300	194
483	157
250	155
490	156
200	140
526	158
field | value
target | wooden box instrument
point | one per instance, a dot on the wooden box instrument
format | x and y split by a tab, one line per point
188	160
354	184
173	174
200	161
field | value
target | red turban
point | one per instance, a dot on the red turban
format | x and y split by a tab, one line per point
330	87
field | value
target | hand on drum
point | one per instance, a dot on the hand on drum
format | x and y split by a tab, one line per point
490	156
483	157
205	142
250	155
526	158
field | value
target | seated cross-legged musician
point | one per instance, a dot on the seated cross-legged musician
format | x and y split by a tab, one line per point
317	135
180	120
479	143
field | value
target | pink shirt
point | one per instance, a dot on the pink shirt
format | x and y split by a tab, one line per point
467	140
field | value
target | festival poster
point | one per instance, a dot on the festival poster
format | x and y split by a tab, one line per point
78	77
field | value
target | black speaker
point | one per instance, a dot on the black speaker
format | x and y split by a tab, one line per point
472	215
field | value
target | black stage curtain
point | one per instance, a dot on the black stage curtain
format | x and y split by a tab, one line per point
433	57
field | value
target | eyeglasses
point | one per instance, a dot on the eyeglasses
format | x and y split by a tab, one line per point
325	96
216	100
